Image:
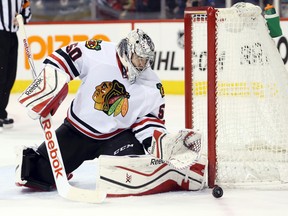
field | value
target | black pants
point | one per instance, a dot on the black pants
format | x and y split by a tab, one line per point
8	68
77	148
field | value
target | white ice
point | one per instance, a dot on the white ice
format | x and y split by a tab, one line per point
21	201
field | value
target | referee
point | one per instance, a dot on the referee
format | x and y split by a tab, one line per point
9	51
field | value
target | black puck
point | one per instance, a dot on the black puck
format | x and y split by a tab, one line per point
217	192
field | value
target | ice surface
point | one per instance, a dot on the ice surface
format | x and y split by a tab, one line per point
21	201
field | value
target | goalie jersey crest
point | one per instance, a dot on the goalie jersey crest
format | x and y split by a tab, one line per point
111	98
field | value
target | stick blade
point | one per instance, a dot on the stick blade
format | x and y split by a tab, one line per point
83	195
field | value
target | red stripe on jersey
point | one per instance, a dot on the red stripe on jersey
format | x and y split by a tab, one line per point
148	120
62	64
102	136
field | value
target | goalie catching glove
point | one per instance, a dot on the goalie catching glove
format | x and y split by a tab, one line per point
46	93
179	150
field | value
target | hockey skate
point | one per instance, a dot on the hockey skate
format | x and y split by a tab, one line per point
19	180
6	123
18	170
22	172
23	157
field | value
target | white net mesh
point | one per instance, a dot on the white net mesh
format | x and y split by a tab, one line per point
252	98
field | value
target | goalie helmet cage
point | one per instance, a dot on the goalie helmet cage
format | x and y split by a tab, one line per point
236	95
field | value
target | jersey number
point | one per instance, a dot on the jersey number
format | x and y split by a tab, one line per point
161	111
73	51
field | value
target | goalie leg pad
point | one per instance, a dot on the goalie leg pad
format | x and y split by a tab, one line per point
180	150
198	172
26	160
143	175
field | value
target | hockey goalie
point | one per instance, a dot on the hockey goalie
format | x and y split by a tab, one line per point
117	116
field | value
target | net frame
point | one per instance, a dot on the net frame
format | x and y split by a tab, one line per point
210	14
211	74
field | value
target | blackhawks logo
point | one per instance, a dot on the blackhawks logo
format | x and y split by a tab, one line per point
111	98
93	44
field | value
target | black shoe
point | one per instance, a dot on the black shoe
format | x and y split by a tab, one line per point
7	122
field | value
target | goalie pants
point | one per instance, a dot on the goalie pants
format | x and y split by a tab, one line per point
77	148
8	67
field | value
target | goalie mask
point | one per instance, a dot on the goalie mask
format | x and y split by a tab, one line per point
136	53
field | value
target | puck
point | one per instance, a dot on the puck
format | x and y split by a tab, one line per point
217	192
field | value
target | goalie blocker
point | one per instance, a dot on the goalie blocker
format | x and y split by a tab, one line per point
122	176
46	93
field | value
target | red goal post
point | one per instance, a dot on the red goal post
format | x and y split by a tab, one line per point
201	15
236	95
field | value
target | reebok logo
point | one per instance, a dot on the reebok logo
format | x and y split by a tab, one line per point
26	46
33	86
57	167
156	161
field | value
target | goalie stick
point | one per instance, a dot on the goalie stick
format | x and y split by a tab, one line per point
64	189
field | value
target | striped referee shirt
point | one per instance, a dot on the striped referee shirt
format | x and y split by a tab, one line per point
8	10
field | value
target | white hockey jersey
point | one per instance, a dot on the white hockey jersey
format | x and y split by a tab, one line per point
106	103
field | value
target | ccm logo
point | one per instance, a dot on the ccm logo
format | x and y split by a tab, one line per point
57	168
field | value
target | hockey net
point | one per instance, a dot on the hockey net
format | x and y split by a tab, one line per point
236	95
